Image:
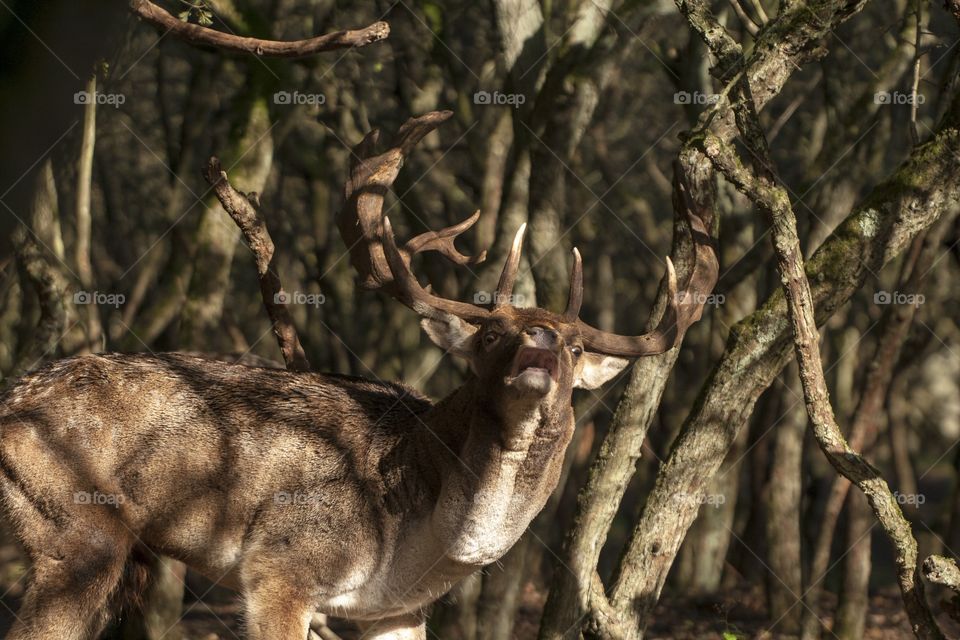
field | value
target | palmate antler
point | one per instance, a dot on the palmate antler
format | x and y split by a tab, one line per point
382	264
361	219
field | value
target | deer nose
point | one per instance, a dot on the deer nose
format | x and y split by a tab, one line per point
543	337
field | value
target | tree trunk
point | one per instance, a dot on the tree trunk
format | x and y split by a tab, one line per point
854	594
783	497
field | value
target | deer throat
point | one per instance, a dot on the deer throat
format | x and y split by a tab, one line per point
485	505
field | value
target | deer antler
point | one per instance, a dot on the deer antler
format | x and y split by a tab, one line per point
383	265
361	219
683	308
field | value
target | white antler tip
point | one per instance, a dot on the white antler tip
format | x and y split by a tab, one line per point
518	239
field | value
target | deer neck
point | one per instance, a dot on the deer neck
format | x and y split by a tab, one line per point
501	461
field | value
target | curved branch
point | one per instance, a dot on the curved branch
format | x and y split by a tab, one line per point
242	207
203	36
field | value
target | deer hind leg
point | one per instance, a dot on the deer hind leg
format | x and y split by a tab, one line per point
78	549
68	598
408	627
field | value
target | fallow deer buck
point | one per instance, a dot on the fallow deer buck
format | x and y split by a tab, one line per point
313	492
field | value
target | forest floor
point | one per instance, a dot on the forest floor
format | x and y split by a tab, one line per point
736	615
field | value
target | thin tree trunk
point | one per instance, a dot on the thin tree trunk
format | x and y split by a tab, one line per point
854	594
84	185
574	592
783	498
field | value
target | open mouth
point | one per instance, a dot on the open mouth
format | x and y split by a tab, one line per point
532	359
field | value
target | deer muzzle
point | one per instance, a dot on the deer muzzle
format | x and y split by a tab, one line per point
534	369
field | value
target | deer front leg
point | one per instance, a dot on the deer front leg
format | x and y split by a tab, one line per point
408	627
275	610
68	599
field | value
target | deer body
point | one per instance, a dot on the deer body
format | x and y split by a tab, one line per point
362	495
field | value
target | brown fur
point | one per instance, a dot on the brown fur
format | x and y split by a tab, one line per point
303	490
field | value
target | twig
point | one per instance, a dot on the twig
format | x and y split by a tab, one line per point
749	24
204	36
94	332
917	55
242	208
764	18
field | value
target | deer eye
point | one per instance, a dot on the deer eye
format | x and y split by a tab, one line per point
576	351
490	338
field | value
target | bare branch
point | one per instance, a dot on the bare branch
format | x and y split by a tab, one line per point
748	23
242	208
203	36
943	571
94	331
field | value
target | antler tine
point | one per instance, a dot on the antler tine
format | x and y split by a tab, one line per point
575	297
443	242
657	341
683	307
416	297
510	267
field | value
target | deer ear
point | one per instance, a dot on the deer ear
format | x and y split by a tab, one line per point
597	369
451	334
